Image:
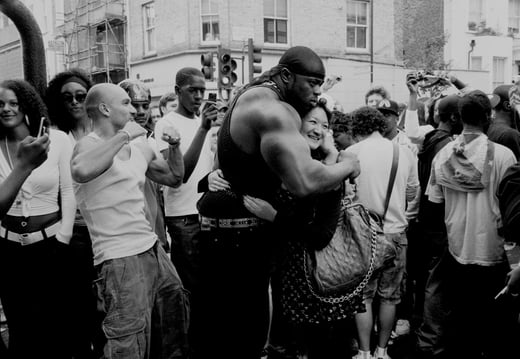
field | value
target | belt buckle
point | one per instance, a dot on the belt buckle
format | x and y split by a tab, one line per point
24	237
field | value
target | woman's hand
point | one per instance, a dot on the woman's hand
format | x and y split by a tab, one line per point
260	208
329	149
217	182
32	152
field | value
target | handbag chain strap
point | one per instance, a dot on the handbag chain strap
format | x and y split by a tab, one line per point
347	297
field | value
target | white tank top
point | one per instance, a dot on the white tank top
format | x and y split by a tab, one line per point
112	205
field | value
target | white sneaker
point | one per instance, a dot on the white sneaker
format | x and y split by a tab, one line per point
402	327
361	356
386	356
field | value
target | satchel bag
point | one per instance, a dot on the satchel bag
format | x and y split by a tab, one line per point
357	250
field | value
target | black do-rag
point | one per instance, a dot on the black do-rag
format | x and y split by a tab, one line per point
303	61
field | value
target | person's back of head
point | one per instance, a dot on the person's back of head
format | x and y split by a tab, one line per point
475	109
502	99
367	120
102	98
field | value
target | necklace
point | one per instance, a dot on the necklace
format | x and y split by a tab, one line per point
8	154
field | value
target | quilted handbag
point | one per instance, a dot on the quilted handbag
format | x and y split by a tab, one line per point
356	251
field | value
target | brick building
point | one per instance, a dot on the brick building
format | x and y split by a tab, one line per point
165	36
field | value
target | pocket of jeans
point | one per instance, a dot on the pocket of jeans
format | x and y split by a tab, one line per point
125	336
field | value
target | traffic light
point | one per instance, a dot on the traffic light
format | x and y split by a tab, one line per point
206	60
227	66
254	54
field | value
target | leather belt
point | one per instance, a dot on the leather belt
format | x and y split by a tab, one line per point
30	238
207	223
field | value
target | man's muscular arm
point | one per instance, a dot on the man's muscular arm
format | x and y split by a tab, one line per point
288	154
91	157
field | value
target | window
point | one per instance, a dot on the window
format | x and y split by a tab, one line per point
275	21
149	28
514	17
209	20
476	14
499	66
357	24
476	63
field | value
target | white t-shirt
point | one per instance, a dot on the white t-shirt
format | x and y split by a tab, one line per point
473	218
182	201
375	158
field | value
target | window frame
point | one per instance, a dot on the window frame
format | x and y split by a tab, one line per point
211	15
503	75
356	25
148	50
482	16
513	17
276	18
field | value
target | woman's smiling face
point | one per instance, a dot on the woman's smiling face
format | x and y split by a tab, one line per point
314	127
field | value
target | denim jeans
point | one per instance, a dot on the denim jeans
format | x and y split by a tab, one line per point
145	307
185	248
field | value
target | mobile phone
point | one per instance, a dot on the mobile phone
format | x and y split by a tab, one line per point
42	128
212	97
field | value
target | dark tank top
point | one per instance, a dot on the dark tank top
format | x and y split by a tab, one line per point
247	173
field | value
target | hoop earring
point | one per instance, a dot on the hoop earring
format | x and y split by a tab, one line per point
26	120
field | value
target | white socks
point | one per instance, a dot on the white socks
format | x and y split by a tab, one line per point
380	352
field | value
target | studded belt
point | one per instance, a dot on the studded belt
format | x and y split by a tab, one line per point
207	223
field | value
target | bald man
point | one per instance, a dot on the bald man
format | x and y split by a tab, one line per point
144	305
259	149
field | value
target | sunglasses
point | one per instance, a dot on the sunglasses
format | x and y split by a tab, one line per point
68	98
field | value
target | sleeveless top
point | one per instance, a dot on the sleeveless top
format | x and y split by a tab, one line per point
246	173
113	207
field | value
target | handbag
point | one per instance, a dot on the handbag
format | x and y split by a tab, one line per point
358	249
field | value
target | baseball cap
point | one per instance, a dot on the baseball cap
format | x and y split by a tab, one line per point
475	98
449	105
500	95
388	106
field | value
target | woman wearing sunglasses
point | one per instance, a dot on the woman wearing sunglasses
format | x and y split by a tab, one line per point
65	100
37	227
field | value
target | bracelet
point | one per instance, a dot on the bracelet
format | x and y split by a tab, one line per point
128	134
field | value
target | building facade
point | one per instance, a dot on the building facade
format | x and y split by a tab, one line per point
484	35
165	36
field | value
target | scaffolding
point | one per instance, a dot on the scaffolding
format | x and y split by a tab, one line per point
94	33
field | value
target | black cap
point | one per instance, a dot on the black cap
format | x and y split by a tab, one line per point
500	95
449	105
388	106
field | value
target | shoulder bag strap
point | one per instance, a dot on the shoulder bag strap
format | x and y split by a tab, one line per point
393	172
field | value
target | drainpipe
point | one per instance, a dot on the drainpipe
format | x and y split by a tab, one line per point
371	42
472	45
34	68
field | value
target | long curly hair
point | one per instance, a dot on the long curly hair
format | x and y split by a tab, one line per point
29	102
57	111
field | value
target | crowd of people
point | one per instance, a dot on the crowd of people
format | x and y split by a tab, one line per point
126	233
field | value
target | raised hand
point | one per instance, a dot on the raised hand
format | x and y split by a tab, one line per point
32	152
134	130
209	115
171	135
